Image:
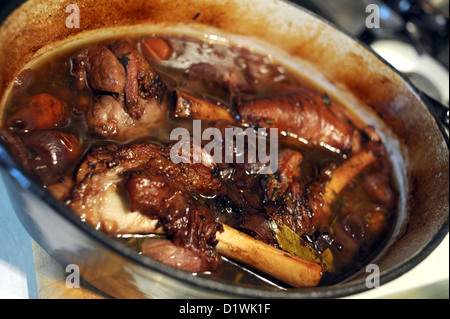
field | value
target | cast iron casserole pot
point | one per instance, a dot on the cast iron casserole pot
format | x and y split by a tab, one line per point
331	59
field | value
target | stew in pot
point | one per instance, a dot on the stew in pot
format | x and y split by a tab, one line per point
104	127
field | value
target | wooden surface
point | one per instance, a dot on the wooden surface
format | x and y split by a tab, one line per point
51	279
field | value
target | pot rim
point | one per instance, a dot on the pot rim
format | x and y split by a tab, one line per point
28	182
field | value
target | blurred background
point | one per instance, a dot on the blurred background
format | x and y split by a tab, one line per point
413	36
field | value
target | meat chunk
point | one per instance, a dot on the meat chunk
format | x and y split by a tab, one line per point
303	116
143	84
105	71
294	211
149	192
156	189
189	223
113	159
108	118
96	196
129	92
100	69
285	193
138	107
288	171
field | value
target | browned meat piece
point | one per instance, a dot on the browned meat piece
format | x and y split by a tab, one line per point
200	179
100	69
108	118
189	223
303	116
105	71
294	211
143	84
131	92
257	226
285	193
112	159
154	194
288	171
157	189
322	212
95	198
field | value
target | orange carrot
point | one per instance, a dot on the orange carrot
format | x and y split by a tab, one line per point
39	112
156	49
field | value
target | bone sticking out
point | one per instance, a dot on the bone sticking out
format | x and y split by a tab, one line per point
346	172
277	263
274	262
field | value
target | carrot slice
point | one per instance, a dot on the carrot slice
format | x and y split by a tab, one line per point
39	112
156	49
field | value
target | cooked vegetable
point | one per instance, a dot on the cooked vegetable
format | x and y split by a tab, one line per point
39	112
303	116
156	49
291	242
